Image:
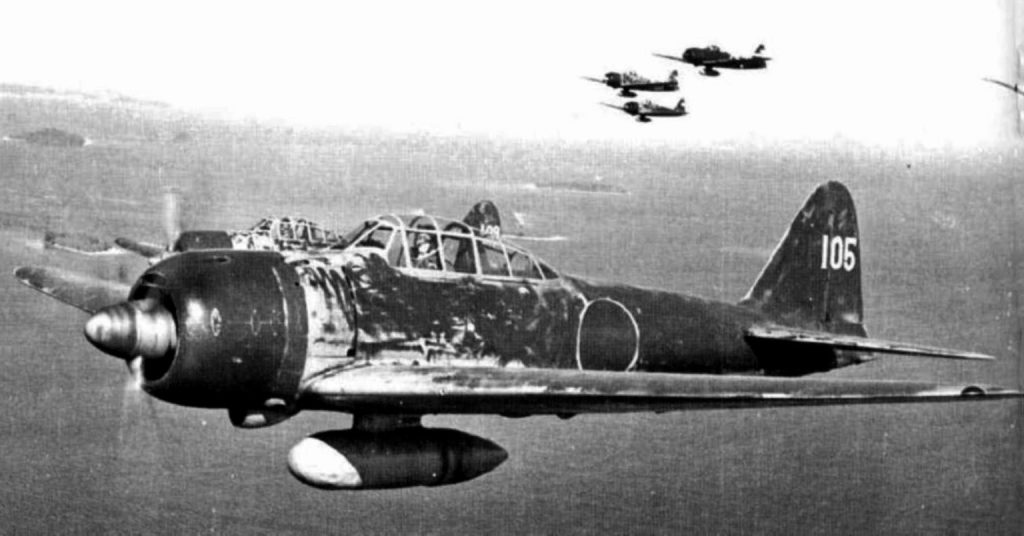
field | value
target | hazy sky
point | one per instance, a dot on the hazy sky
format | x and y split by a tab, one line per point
874	71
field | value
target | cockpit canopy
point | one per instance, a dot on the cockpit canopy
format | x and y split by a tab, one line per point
429	243
298	230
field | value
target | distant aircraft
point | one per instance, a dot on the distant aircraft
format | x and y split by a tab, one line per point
713	58
1014	88
269	234
644	111
421	315
629	82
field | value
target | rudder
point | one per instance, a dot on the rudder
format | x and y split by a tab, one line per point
484	219
813	279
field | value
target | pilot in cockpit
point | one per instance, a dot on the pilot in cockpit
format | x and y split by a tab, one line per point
425	255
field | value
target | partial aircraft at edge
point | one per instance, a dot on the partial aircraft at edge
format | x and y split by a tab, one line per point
422	315
629	82
713	58
644	111
269	234
1012	87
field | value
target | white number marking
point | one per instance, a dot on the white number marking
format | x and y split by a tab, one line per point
838	253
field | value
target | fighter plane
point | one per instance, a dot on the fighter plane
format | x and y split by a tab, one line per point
1014	88
713	58
629	82
644	111
269	234
424	315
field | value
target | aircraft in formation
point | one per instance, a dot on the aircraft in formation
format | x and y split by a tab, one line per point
629	82
712	58
644	111
709	58
409	315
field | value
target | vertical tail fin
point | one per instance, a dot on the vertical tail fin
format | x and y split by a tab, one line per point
484	219
813	278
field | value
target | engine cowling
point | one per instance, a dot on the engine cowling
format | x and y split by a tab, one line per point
238	322
398	458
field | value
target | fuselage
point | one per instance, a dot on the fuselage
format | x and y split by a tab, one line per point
648	109
412	291
370	303
715	57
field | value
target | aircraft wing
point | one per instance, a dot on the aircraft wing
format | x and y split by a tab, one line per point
620	108
667	57
529	391
85	292
1013	88
145	249
723	62
851	342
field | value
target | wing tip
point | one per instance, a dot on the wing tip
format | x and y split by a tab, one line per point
25	274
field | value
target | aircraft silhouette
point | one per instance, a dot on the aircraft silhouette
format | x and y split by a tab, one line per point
644	111
629	82
712	58
419	315
269	234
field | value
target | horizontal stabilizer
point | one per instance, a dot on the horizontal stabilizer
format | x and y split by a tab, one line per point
147	250
530	391
851	342
85	292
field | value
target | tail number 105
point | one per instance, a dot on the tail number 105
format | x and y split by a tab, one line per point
838	252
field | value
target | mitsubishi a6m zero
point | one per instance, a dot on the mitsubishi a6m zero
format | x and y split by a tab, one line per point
713	58
629	82
269	234
418	315
644	111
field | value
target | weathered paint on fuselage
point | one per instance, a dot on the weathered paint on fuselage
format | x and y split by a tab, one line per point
363	310
680	333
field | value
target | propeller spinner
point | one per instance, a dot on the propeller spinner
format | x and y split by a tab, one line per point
136	328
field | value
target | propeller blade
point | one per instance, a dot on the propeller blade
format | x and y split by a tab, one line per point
143	449
172	217
85	292
598	80
134	382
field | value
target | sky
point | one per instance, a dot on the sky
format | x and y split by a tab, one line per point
873	71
